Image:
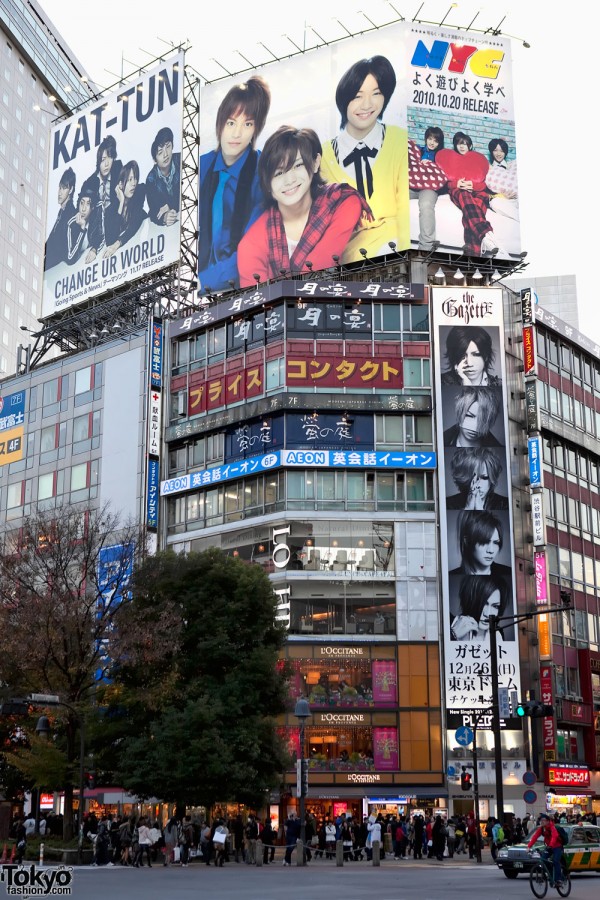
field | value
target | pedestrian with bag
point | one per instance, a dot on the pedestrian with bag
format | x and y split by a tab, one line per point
170	837
220	842
186	840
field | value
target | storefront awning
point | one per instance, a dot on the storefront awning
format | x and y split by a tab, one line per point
315	793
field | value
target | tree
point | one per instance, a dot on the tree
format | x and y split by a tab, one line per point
198	702
63	575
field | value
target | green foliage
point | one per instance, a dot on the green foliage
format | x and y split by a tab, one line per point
193	708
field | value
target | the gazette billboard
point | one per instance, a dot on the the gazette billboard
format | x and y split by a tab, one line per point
114	189
381	142
476	544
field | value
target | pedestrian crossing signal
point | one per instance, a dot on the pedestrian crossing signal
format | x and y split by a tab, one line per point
535	709
465	780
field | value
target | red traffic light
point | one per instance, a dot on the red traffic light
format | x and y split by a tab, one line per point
466	780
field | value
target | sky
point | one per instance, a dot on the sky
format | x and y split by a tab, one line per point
554	84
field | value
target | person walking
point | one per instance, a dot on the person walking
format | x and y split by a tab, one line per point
438	838
170	838
329	839
21	839
144	843
267	837
292	833
419	829
186	839
220	836
237	830
251	835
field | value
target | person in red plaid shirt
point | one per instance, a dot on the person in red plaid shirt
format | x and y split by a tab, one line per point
306	222
467	170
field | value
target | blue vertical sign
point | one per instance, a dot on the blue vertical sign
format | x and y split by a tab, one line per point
534	452
152	494
156	352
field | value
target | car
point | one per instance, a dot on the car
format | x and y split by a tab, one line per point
582	852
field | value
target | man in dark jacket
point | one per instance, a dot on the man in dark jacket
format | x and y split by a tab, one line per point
163	183
56	245
292	833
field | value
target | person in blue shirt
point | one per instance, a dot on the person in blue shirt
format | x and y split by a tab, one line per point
230	195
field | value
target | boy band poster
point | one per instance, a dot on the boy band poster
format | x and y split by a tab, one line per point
323	158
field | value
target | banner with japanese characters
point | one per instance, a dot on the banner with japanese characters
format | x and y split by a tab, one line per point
114	189
393	139
12	427
476	531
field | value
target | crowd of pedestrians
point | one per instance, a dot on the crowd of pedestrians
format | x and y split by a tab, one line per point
138	841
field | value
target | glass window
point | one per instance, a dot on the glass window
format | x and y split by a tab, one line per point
79	477
390	317
48	438
83	380
275	373
81	428
14	495
50	392
416	372
46	486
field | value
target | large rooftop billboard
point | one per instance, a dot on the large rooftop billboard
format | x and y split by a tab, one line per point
382	142
114	189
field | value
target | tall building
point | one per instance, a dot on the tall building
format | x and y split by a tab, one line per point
361	431
557	294
41	80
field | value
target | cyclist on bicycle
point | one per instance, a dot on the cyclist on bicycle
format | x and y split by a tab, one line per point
554	847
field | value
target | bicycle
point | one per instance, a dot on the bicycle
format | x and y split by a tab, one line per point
542	875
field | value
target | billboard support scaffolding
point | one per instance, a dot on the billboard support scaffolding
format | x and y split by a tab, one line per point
189	183
119	312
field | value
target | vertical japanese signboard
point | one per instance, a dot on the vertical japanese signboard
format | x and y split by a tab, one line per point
474	497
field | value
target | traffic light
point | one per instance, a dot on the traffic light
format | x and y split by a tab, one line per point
535	709
466	780
302	777
90	778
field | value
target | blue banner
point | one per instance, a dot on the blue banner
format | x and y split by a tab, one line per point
12	410
320	459
152	495
534	452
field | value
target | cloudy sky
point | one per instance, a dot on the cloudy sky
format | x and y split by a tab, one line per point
554	81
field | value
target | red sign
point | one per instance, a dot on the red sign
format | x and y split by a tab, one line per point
529	350
548	724
568	776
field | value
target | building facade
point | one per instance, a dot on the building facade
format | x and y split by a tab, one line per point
41	80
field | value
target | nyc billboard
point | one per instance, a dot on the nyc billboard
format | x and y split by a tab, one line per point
113	208
376	144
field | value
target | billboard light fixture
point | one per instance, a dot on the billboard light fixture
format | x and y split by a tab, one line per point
477	276
458	275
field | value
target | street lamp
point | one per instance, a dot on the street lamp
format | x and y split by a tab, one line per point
302	713
494	623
